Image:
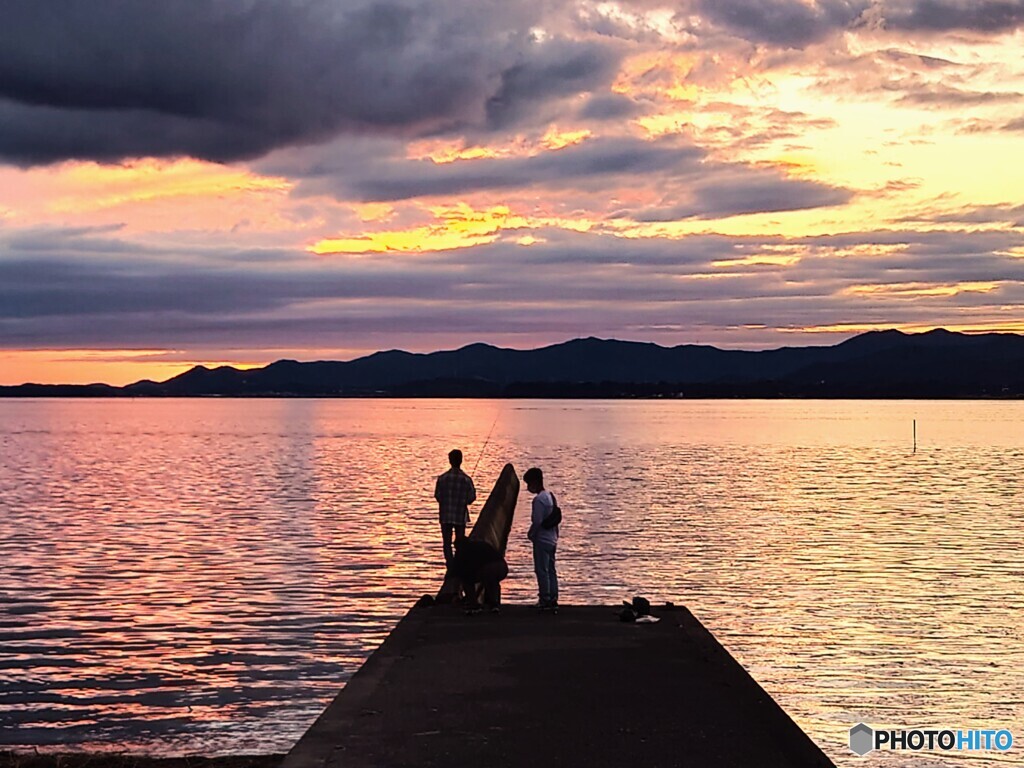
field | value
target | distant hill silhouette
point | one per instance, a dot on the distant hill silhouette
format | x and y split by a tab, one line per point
888	364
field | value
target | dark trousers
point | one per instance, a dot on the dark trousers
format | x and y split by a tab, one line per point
489	576
547	578
447	531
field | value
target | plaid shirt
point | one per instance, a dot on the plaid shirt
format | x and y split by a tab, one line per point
454	493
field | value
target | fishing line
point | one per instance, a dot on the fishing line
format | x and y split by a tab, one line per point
484	448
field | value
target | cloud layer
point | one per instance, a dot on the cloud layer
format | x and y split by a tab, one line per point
234	79
340	174
51	297
227	80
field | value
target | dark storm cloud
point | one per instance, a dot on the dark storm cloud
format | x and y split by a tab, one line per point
610	106
797	24
915	60
561	68
934	94
31	135
1012	215
788	23
932	242
395	178
752	191
83	272
952	15
234	79
693	186
231	79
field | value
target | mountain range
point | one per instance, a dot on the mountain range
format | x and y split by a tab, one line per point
883	364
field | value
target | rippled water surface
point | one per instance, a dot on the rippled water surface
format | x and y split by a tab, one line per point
201	576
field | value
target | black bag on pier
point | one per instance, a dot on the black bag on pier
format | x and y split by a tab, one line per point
554	518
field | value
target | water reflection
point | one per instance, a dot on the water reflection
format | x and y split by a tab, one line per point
199	576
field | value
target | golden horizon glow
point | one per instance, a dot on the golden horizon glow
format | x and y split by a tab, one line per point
973	329
116	367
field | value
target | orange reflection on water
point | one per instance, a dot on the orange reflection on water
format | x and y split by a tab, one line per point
200	576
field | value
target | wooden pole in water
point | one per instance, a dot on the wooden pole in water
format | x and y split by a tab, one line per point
915	435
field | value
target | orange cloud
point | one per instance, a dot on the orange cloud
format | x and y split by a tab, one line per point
916	290
144	195
657	74
90	186
443	151
458	226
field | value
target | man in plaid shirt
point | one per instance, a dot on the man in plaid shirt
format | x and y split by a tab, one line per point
454	492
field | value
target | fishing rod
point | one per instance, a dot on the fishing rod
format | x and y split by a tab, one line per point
488	440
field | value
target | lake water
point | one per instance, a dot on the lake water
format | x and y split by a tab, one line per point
201	576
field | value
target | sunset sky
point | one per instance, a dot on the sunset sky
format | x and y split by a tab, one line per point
238	181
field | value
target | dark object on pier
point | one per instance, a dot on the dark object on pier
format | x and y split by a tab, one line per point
480	567
640	606
493	525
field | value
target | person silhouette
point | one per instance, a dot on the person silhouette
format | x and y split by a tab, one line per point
478	563
545	541
454	492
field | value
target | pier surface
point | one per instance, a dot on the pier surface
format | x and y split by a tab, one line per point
533	690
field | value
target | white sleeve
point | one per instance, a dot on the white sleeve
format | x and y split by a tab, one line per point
542	506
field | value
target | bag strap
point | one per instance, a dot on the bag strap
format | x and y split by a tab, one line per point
554	506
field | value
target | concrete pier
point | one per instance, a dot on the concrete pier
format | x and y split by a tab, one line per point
534	690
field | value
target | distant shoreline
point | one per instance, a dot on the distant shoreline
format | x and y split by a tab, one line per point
878	365
31	392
